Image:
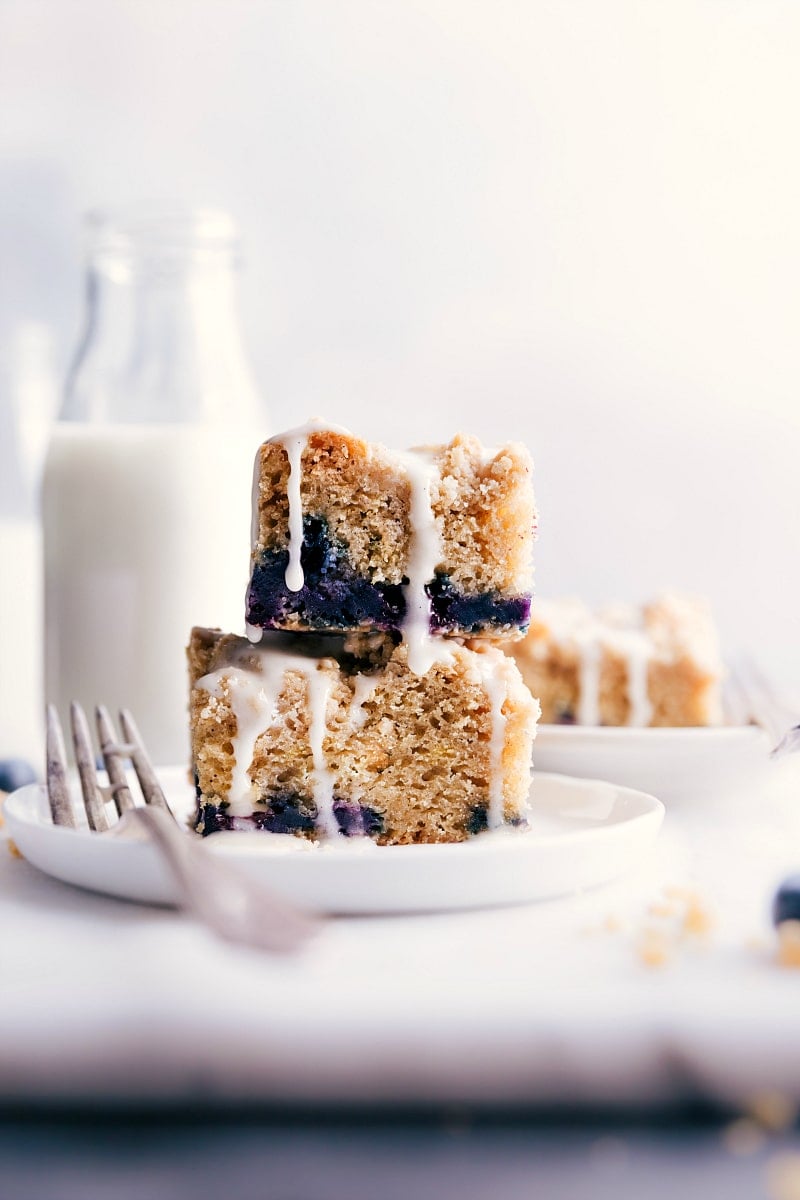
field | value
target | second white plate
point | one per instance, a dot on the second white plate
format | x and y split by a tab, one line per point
675	764
582	833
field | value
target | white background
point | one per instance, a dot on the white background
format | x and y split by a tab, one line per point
575	223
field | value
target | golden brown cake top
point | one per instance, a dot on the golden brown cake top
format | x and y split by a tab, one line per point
482	504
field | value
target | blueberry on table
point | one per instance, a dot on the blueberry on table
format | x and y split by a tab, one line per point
15	773
786	905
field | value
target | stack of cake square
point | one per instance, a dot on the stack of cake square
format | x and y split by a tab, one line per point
371	695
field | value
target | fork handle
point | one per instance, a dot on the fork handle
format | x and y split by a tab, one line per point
232	903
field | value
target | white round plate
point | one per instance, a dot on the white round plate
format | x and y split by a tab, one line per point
582	833
676	764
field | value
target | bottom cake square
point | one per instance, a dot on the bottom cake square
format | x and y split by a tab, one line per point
324	736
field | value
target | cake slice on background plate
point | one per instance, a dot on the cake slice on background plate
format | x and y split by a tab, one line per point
658	664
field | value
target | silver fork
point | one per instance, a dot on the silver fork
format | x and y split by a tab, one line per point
229	902
753	698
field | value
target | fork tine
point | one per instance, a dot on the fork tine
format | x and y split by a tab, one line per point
766	706
58	795
112	757
151	788
789	743
92	796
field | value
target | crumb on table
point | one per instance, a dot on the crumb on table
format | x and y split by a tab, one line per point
654	948
679	915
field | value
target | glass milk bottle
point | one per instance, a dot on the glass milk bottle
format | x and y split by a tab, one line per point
147	486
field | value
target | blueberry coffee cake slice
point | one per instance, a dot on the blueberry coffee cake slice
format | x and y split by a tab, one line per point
319	736
348	535
658	664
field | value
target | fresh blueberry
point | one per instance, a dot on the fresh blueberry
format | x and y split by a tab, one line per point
334	595
786	905
452	609
15	773
478	819
357	820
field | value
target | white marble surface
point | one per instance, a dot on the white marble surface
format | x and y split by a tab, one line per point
549	1002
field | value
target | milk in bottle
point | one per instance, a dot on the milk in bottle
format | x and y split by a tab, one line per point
147	481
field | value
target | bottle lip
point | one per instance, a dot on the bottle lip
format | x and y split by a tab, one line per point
158	232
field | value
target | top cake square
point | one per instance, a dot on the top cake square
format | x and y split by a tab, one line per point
348	535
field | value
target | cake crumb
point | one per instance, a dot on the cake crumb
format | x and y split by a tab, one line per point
697	920
14	850
783	1177
743	1136
678	916
789	944
654	948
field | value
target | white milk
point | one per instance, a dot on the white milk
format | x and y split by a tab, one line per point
146	534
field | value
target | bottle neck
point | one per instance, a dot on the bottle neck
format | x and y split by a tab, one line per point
162	343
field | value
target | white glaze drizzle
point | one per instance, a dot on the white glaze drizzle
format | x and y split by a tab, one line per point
251	699
294	442
572	624
492	674
424	554
635	650
252	707
294	447
364	688
589	656
252	694
320	686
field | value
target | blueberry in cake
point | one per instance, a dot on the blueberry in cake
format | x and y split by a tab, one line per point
348	535
654	665
321	735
